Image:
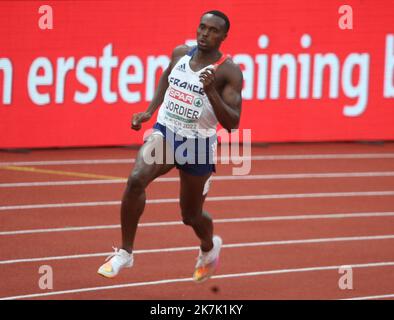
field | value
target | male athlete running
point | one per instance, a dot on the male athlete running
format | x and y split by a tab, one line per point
200	88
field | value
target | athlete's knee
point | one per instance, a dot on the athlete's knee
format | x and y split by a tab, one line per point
188	221
191	218
135	183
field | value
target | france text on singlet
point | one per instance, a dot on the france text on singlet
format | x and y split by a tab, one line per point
186	109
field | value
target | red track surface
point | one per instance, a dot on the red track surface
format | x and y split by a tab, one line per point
348	227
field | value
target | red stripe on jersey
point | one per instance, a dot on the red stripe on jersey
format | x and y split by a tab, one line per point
221	60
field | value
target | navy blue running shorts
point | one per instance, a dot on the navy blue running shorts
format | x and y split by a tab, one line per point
192	155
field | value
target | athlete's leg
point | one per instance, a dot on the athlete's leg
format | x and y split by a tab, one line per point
133	201
191	202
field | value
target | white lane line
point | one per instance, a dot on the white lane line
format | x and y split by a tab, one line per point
307	176
67	162
231	220
383	296
221	158
233	245
221	276
60	183
214	178
66	205
209	199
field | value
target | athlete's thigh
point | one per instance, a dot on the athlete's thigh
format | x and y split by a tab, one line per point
192	195
151	161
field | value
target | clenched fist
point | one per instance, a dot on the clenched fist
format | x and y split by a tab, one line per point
139	118
207	78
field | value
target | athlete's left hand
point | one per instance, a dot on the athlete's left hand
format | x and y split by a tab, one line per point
207	78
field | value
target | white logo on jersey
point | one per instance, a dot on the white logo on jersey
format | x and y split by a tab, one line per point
182	67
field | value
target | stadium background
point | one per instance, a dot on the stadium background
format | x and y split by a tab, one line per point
89	106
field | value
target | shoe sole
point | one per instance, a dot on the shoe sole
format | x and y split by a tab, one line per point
208	275
109	275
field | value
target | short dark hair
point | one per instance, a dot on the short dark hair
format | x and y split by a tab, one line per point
220	15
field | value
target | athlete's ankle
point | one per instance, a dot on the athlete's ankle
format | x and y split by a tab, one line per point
206	247
129	249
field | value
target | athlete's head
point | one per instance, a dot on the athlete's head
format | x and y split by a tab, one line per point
212	30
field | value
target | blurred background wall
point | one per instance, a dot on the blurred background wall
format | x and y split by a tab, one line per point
313	70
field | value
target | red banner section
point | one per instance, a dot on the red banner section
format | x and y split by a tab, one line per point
72	73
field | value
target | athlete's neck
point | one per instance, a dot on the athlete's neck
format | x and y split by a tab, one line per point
207	56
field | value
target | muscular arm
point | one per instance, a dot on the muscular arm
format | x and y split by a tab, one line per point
158	97
227	105
163	82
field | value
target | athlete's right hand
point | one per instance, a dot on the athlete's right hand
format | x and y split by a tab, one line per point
139	118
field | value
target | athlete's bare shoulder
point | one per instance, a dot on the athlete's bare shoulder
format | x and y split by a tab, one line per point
230	71
181	50
178	53
230	66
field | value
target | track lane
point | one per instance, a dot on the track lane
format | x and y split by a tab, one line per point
130	152
257	167
259	259
159	190
99	241
75	216
297	255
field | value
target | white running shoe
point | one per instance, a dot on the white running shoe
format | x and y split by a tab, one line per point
115	262
207	262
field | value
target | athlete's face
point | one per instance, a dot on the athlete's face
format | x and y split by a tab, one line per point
211	32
